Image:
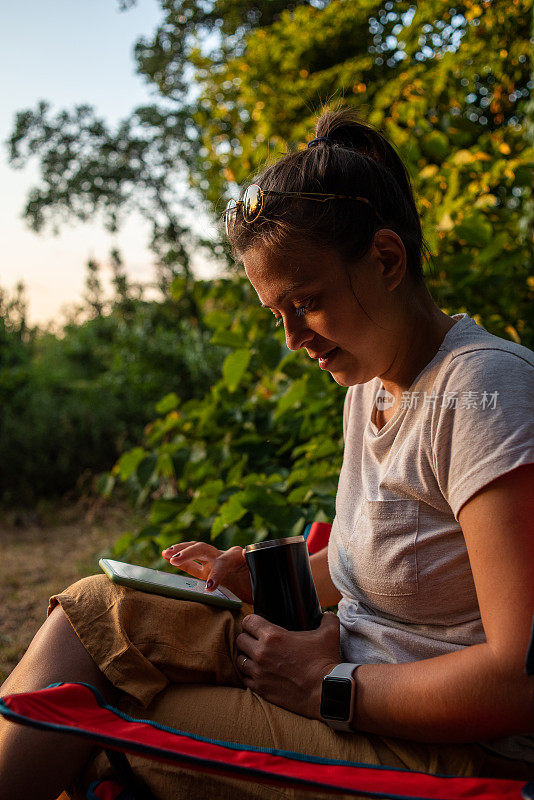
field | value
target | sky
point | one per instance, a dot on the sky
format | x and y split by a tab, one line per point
67	52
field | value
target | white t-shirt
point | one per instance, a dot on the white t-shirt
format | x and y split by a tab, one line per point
397	552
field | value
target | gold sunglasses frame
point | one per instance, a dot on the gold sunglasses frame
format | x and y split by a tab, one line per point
230	212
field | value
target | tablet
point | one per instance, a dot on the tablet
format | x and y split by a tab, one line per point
167	584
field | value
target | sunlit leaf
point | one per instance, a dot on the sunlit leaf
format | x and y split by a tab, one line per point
167	403
234	367
129	462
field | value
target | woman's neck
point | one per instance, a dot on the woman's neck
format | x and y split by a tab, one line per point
425	329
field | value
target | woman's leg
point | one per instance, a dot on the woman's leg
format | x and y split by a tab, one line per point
35	763
234	714
149	647
126	644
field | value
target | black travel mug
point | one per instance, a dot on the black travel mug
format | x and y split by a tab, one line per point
282	583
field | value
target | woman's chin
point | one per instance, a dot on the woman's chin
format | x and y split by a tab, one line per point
342	378
348	377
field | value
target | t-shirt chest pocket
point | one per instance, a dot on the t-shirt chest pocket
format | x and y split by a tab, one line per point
383	547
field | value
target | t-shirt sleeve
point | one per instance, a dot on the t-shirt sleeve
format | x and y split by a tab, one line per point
483	425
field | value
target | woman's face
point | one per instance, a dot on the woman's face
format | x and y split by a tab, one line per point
350	330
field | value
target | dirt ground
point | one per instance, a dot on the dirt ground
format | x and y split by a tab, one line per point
43	553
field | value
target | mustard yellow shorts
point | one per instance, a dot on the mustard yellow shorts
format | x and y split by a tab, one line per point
174	662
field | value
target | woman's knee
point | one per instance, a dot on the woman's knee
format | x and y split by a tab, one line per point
55	654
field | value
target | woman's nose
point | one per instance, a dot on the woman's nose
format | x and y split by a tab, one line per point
297	333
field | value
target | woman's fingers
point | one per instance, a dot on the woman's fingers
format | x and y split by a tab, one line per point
195	558
245	664
228	561
248	652
188	554
175	549
186	551
171	549
247	645
193	568
203	560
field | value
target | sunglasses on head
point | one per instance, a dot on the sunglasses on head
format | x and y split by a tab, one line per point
251	203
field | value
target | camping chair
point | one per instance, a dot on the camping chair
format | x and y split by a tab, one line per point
80	709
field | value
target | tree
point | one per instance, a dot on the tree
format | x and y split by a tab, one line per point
87	169
239	81
450	87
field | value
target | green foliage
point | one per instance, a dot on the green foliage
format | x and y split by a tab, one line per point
257	456
70	404
241	80
450	91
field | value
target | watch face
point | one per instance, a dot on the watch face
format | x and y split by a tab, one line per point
335	698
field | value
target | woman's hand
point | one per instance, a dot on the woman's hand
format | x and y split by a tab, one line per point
287	667
215	566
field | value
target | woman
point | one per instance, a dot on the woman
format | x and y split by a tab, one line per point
431	551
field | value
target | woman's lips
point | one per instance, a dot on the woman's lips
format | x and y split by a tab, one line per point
326	360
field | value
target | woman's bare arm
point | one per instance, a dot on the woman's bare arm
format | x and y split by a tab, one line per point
480	692
328	594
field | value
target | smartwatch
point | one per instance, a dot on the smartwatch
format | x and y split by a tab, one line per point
338	696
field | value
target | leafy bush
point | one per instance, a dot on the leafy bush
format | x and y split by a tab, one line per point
70	404
257	457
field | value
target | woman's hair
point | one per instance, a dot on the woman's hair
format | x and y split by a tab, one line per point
356	160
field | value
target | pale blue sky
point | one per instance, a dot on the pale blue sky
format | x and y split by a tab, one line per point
67	52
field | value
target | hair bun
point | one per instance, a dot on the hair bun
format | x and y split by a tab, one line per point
356	163
344	127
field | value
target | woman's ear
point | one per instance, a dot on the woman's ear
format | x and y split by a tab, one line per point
391	255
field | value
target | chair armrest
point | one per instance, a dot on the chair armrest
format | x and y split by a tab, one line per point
317	535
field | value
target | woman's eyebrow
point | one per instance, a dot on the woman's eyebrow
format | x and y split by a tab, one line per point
286	292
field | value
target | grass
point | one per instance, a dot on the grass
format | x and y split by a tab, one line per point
44	552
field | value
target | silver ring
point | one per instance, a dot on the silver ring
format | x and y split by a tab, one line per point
244	662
